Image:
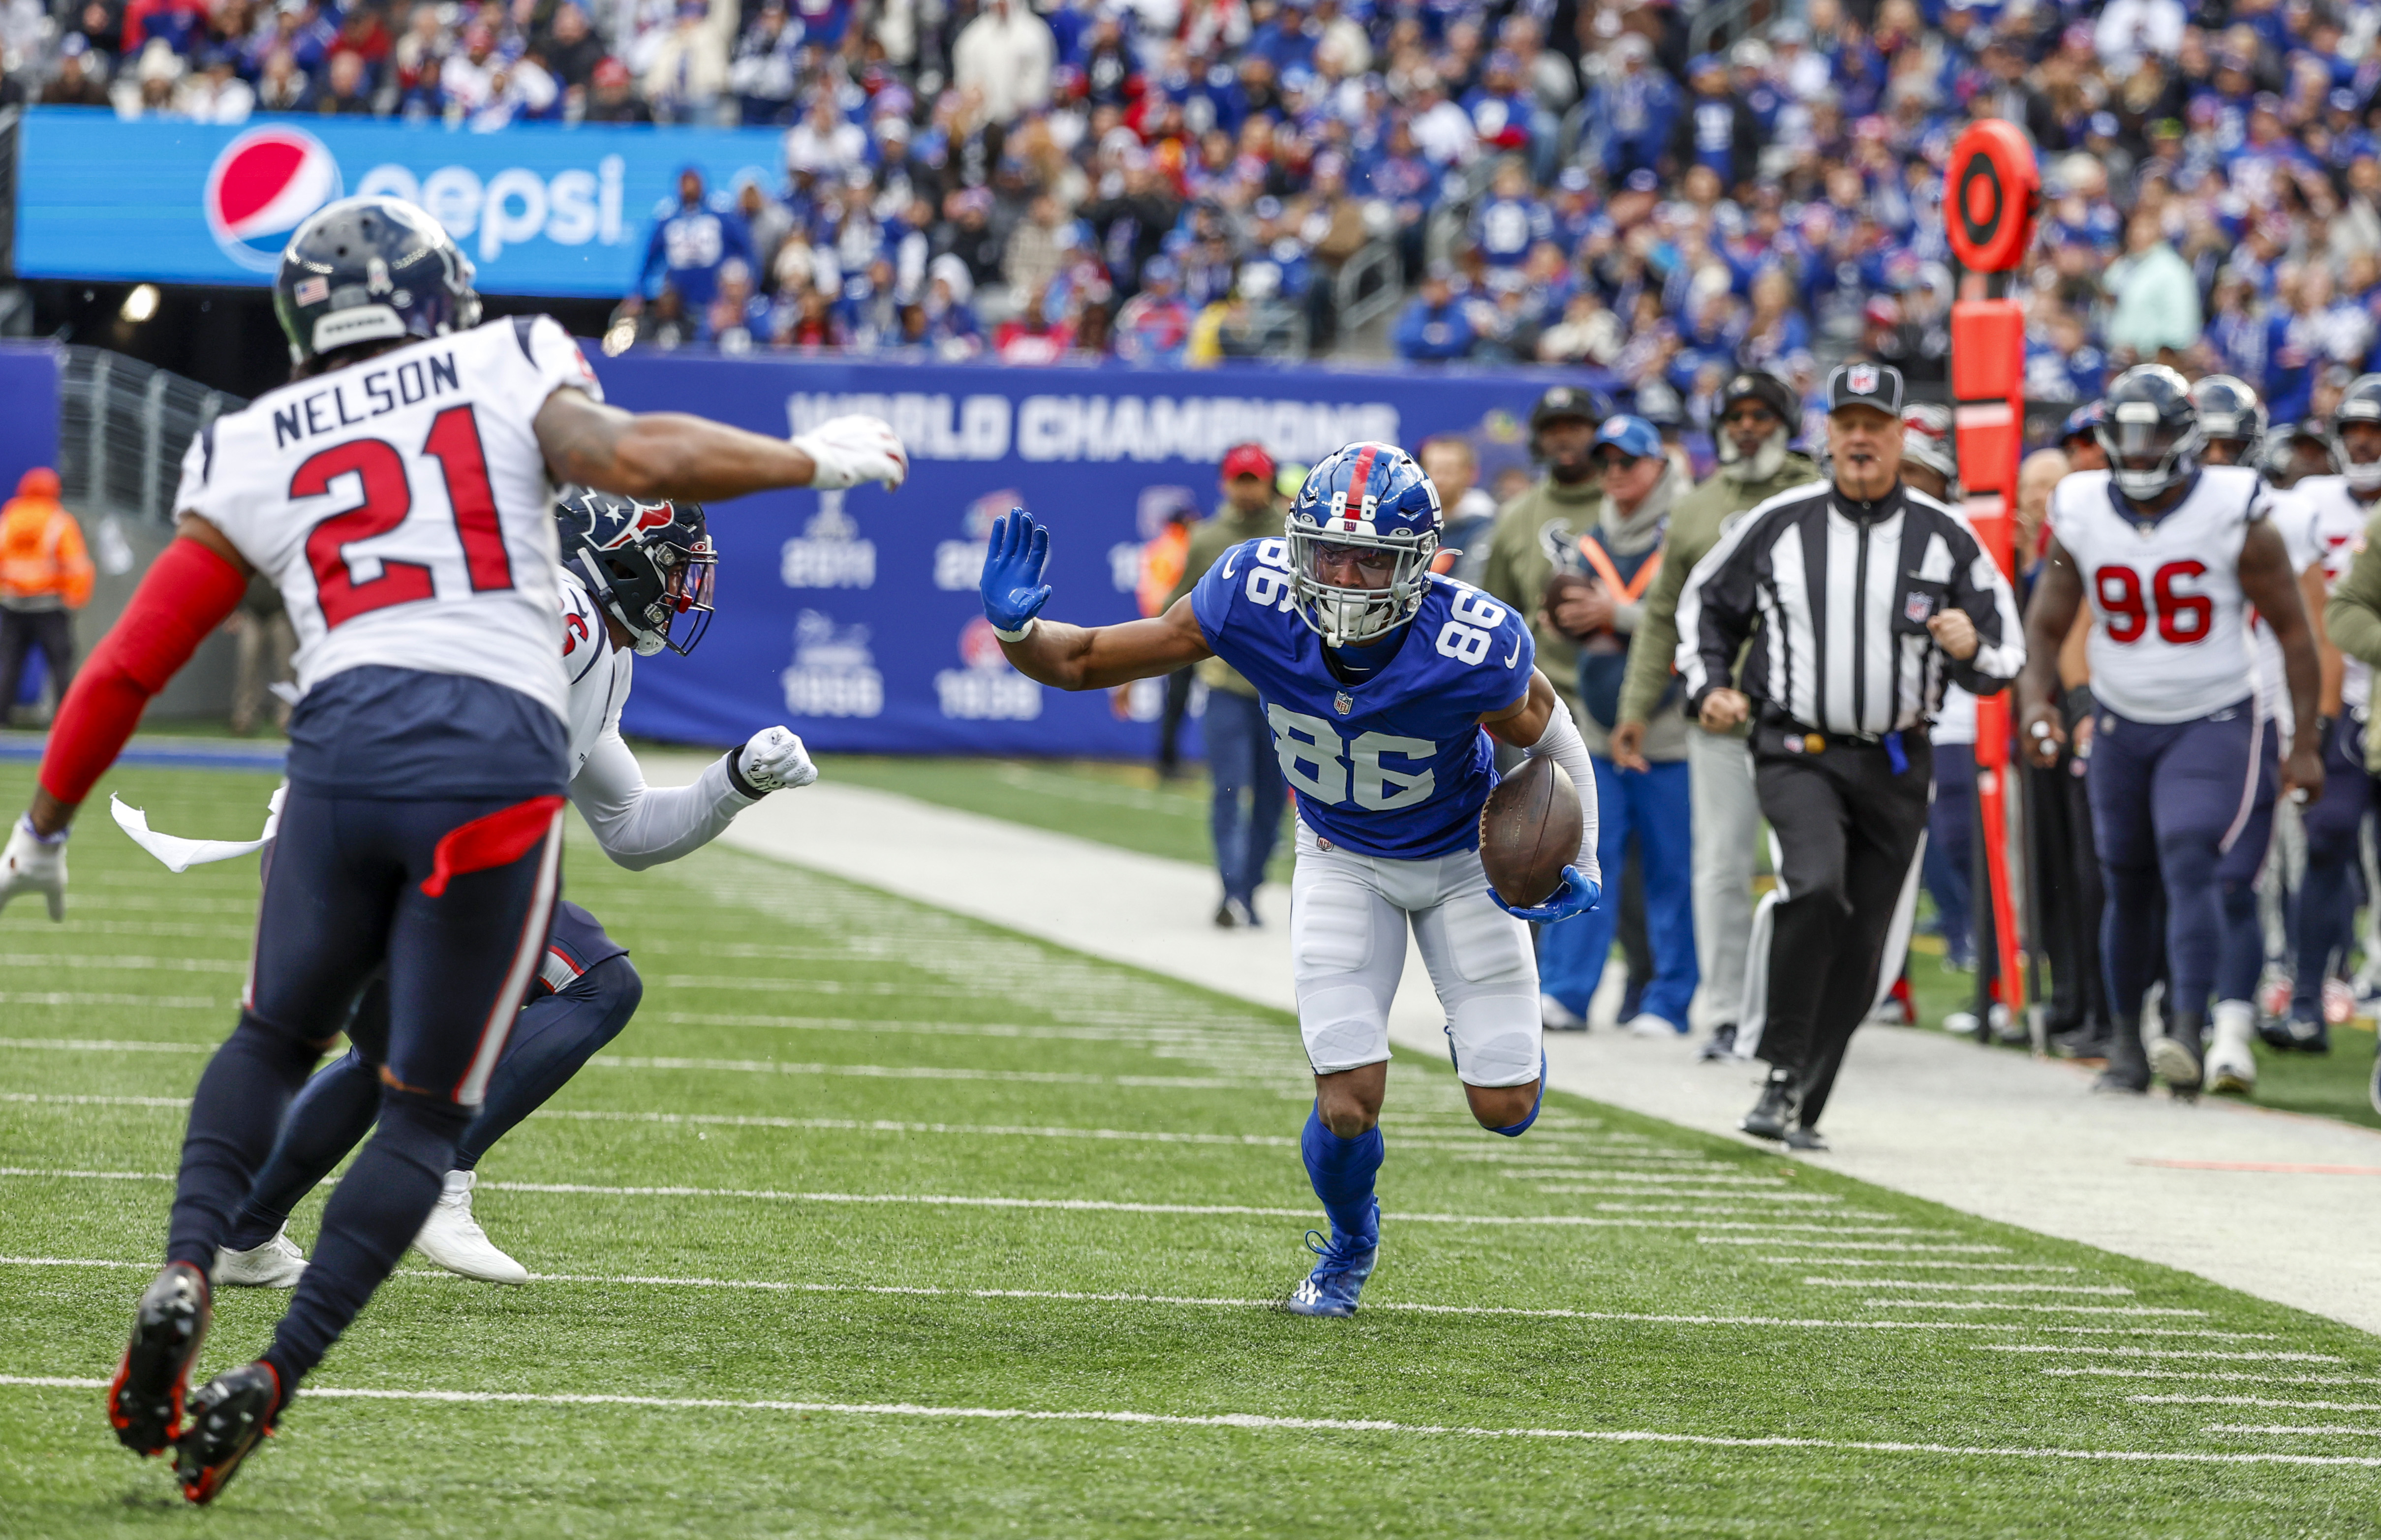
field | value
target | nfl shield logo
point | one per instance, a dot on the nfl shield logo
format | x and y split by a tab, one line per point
1862	379
1916	607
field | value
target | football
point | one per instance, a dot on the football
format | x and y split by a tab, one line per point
1529	831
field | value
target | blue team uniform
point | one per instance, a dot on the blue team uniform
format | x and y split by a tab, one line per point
1401	770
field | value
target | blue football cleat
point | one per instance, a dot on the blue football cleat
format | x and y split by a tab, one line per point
1332	1287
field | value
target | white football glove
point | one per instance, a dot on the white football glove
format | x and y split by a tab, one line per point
774	760
850	450
30	864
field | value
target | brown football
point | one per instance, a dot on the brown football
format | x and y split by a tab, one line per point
1529	831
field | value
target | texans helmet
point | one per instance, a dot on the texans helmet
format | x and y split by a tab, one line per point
2230	411
1372	501
2280	460
2151	433
370	270
2361	404
647	564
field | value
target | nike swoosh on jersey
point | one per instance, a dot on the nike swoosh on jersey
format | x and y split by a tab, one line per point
1515	657
1228	557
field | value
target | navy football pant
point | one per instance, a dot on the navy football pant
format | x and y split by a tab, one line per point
343	899
556	1033
2326	893
2183	811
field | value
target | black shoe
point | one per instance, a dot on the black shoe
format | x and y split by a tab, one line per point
228	1416
1774	1112
144	1402
2178	1054
2087	1040
2275	1032
2307	1037
2128	1073
1225	919
1722	1043
1801	1137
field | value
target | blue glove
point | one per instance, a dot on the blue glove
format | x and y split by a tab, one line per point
1013	590
1577	894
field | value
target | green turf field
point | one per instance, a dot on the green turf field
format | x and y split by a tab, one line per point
964	1234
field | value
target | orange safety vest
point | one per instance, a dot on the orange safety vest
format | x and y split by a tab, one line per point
42	552
1601	559
1162	561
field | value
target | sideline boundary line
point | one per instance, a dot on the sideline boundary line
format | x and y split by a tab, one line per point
1255	1421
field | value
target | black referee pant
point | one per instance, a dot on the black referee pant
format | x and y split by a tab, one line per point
1848	827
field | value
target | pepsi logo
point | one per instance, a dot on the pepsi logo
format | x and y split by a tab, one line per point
262	188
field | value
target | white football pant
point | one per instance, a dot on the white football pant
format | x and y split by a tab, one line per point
1347	919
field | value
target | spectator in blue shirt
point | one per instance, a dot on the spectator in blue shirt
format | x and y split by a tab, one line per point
691	239
1433	327
1509	222
1632	113
1717	128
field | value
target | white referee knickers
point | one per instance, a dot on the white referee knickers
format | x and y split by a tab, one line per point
1347	918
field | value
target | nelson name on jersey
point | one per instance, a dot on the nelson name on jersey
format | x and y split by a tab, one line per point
378	392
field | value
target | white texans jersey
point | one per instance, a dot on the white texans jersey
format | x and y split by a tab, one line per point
598	671
401	506
2328	527
2170	635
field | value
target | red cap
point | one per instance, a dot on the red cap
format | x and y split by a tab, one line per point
1247	460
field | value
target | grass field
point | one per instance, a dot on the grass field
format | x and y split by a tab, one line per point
967	1234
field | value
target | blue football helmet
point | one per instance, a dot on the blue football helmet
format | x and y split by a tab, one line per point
2229	411
647	564
370	270
1367	497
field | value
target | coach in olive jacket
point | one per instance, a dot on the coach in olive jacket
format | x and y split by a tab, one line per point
1562	427
1757	417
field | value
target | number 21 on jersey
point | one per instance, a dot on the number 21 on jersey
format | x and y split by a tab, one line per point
387	503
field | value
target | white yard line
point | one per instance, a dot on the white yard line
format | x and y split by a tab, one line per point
2021	1305
1157	1035
1892	1262
2257	1400
2102	1372
925	1072
1970	1288
2295	1429
120	962
2240	1355
1844	1245
1255	1421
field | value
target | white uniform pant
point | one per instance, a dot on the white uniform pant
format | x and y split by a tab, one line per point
1348	920
1727	827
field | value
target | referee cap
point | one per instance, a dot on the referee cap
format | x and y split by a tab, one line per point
1875	385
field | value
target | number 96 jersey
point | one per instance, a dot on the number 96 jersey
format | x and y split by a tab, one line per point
1394	765
401	506
2170	639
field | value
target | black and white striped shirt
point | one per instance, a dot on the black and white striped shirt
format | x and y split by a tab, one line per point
1834	594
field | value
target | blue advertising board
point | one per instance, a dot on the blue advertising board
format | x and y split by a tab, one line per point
853	617
29	429
540	209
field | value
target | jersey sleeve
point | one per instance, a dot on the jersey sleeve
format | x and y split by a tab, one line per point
553	357
1503	677
1229	600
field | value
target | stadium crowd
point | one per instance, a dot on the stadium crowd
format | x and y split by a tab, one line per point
1176	181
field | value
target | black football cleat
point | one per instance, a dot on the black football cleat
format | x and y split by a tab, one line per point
144	1401
1721	1044
1801	1136
231	1414
1775	1111
2128	1071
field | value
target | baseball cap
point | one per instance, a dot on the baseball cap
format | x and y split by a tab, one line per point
1633	436
1247	460
1566	403
1876	385
2082	420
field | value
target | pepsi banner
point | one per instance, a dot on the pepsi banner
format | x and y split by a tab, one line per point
853	617
538	209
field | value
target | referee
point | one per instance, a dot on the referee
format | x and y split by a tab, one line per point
1860	598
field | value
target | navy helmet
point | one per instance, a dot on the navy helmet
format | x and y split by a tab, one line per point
2361	404
1374	500
370	270
2229	411
2151	433
648	564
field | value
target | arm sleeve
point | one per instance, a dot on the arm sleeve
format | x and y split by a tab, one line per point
1715	615
188	591
1560	743
1653	646
1978	587
639	825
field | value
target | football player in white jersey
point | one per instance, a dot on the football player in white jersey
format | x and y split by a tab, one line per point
398	492
2169	555
655	565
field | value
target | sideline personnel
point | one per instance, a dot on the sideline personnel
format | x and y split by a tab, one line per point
45	576
1757	416
1839	695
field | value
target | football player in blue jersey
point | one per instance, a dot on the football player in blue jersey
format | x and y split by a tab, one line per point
1377	676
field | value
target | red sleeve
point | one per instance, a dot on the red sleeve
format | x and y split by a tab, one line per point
188	591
